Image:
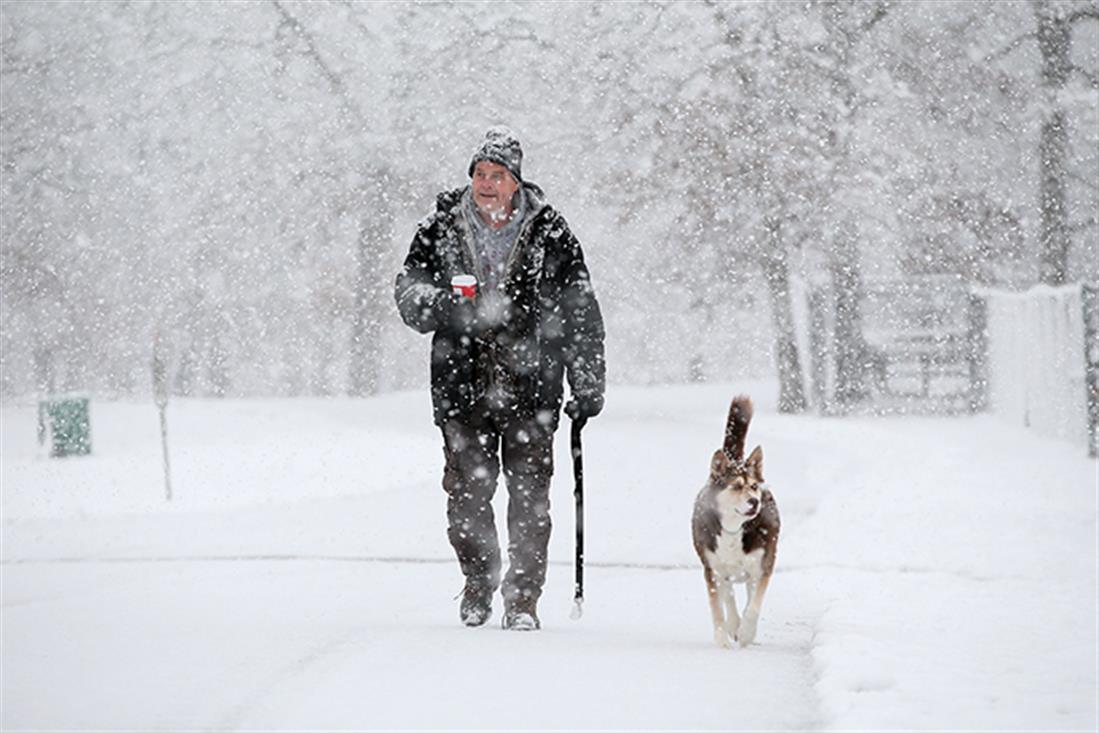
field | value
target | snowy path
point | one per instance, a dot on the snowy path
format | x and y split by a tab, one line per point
906	594
293	645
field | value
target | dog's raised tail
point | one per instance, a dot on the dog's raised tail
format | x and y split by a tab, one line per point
736	429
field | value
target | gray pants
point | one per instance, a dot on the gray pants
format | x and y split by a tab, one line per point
473	451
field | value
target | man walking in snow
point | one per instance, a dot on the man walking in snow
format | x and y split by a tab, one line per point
500	351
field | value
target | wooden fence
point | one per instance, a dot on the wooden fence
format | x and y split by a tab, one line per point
935	345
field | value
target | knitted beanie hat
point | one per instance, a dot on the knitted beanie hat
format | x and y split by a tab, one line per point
502	147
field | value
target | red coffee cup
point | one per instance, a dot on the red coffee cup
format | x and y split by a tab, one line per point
464	285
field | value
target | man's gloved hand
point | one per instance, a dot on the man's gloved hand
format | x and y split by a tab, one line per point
582	407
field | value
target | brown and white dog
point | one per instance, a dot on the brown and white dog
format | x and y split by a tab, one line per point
735	528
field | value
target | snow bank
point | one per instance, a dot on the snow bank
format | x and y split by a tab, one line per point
960	558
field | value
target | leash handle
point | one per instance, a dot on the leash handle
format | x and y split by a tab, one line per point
578	493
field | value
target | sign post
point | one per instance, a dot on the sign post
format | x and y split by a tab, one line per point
160	396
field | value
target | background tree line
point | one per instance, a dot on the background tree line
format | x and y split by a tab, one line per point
244	178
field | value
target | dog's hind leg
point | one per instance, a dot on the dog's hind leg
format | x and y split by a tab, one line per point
716	593
756	590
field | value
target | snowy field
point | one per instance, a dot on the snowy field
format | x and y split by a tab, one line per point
933	573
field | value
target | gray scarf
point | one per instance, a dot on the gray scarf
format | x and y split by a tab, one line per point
493	246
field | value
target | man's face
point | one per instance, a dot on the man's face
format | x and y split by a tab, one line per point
493	187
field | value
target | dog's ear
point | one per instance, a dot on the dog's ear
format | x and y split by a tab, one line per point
754	464
719	465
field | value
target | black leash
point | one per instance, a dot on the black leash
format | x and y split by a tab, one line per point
578	493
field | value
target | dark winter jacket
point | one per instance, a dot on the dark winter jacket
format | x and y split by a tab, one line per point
548	323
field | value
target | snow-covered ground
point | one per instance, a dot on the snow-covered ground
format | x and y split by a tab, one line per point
933	573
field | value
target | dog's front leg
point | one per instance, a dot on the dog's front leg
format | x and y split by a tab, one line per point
716	594
756	589
732	615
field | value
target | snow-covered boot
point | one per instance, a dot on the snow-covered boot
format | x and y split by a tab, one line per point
476	607
521	614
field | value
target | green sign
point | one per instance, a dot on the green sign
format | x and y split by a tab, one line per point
69	426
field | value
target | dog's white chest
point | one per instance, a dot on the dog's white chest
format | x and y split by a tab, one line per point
731	562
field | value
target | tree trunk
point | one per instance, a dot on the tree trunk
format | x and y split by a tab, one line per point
847	286
217	364
776	273
1054	43
366	325
372	288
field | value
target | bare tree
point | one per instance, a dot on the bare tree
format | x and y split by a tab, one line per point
1054	36
370	199
1053	31
847	24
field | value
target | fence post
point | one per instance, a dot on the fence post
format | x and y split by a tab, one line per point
1089	302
